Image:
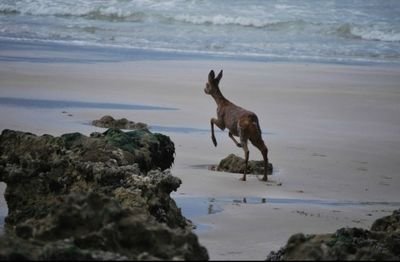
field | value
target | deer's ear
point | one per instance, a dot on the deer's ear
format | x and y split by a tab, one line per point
219	76
211	76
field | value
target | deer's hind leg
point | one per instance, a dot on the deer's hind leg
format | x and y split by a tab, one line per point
243	143
246	157
258	142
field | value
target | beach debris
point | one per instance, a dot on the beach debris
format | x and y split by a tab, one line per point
235	164
108	121
380	243
102	197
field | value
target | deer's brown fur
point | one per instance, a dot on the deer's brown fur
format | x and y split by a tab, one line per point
239	121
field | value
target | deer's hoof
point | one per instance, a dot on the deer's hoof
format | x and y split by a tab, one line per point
239	145
214	141
265	178
242	179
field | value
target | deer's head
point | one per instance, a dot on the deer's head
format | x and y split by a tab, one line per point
213	82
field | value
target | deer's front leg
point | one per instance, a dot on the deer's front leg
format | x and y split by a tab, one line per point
234	140
219	124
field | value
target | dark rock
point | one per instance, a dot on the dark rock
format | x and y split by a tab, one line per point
382	242
91	226
236	164
388	224
123	123
35	167
104	197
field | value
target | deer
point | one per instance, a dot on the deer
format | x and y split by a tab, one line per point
239	121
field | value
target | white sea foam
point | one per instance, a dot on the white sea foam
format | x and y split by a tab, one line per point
368	33
375	34
224	20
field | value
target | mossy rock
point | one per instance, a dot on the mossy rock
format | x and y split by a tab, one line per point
236	164
103	197
381	243
108	121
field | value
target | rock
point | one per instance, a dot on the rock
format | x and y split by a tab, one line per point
236	164
388	224
103	197
123	123
92	226
148	150
382	242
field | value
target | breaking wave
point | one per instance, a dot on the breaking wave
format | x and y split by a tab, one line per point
224	20
368	33
91	12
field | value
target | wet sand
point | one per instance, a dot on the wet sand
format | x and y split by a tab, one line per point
333	133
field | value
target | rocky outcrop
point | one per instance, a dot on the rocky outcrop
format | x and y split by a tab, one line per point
382	242
123	123
103	197
236	164
92	226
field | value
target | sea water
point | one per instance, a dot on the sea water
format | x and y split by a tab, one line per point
338	31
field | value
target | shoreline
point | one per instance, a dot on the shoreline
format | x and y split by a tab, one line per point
51	51
332	131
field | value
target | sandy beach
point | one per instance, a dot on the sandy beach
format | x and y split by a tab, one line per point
333	133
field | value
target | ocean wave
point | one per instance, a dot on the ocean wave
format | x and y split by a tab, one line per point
134	11
115	14
91	11
377	35
221	20
8	9
368	33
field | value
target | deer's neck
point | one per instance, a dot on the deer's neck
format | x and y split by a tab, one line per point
219	98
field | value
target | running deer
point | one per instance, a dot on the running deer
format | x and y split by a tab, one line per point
240	122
